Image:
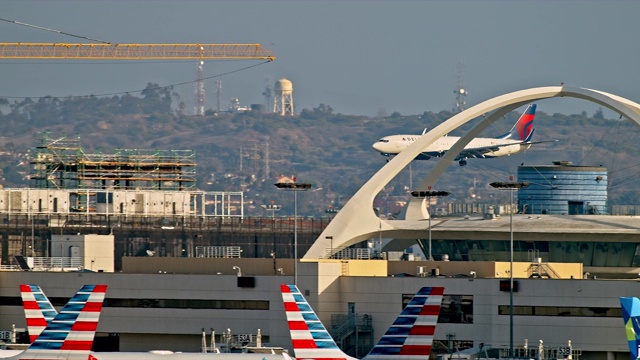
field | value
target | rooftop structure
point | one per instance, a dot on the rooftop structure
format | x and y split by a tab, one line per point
62	163
563	188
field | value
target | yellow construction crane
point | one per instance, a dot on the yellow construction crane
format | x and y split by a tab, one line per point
134	51
201	52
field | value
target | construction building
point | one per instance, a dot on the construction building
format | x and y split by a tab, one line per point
61	163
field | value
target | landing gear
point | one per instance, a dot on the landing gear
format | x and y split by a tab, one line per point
462	162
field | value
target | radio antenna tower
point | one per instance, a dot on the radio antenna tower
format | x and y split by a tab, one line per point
199	107
268	95
218	92
460	91
267	169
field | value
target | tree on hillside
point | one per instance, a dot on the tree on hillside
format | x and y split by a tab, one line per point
157	99
321	112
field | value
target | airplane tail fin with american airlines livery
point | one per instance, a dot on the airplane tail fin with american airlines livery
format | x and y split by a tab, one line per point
70	334
631	316
38	310
409	337
523	128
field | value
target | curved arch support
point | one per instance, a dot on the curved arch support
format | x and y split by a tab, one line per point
357	221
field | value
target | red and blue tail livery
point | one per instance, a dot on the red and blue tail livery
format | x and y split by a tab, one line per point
523	129
410	336
38	310
70	334
310	339
631	316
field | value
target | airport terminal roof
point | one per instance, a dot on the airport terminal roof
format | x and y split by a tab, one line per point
525	227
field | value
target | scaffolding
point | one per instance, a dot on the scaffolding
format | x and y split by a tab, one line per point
62	163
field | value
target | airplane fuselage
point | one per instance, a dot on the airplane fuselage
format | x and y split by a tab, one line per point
393	145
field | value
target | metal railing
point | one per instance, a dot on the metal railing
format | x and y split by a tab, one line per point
218	251
57	263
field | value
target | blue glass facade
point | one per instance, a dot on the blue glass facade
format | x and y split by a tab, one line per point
563	189
601	254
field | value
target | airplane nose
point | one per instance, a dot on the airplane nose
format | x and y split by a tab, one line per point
377	146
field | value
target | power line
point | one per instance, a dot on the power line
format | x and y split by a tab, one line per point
137	91
55	31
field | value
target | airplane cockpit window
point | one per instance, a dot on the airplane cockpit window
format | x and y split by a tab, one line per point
383	140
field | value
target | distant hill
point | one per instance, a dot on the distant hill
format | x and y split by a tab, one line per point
332	151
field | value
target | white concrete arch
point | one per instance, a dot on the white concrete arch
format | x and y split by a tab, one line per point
357	220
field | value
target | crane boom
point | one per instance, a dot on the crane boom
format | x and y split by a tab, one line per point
134	51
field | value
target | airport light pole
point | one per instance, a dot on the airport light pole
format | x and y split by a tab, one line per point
273	208
511	185
295	187
429	194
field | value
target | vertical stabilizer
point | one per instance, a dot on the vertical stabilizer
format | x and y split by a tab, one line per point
310	339
69	335
523	128
411	334
38	310
409	337
631	316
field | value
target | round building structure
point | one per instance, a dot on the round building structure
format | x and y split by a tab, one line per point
563	189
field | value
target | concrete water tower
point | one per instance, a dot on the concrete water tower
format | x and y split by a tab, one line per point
283	97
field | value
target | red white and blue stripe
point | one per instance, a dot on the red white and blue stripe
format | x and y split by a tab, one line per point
411	335
38	310
70	334
310	339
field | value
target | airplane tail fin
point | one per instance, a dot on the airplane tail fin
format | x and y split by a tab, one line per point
310	339
38	310
523	128
411	334
631	316
69	335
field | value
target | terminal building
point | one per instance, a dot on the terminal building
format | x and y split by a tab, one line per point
163	303
174	271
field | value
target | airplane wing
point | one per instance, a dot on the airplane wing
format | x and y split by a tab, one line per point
542	142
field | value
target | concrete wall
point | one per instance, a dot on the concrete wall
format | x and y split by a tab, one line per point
222	266
143	329
329	293
483	269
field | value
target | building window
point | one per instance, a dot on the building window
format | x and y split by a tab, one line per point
563	311
455	309
159	303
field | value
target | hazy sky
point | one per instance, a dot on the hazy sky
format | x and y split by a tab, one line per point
356	56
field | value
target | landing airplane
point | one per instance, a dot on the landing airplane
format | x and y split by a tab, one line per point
631	316
409	337
69	335
39	311
516	140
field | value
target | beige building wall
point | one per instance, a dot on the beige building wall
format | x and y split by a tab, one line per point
97	252
486	269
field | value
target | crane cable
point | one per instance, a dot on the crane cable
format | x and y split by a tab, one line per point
139	91
56	31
